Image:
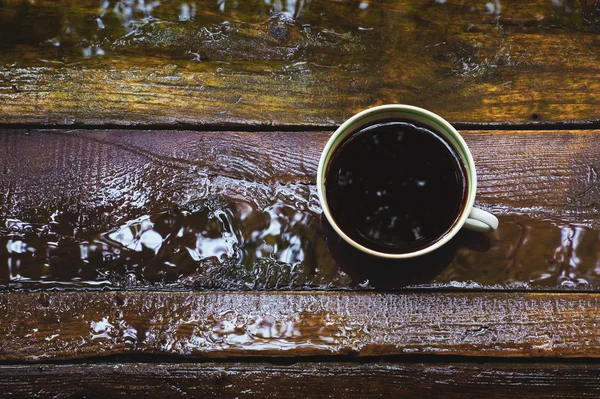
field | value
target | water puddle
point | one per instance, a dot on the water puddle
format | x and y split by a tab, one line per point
217	244
221	243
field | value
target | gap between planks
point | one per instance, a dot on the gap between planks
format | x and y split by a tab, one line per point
240	127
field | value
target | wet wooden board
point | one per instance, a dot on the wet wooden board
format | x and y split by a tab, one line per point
73	63
72	325
322	380
123	174
84	185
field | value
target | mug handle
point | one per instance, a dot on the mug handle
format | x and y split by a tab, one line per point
481	221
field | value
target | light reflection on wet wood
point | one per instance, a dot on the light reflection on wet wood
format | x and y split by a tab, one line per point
83	186
70	325
550	174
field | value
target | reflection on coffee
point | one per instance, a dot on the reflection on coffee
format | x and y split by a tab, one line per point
395	186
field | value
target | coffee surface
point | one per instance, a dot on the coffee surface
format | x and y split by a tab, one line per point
395	186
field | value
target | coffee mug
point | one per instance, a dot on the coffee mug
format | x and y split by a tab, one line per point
469	217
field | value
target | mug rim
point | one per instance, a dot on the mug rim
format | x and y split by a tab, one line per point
409	113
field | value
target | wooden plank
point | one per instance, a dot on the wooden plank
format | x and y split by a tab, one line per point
66	197
128	172
67	63
322	380
70	325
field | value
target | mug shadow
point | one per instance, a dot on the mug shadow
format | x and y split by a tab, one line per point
390	274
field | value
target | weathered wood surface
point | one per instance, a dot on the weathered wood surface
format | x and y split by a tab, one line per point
64	62
65	191
319	380
70	325
127	173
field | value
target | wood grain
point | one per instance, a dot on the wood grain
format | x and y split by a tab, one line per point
474	62
70	325
119	175
115	175
322	380
63	192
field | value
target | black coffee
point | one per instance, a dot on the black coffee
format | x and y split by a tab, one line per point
395	187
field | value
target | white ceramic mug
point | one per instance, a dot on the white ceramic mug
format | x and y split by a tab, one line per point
470	217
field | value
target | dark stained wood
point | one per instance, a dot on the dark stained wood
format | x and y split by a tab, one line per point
317	380
527	61
127	173
118	169
70	325
82	185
